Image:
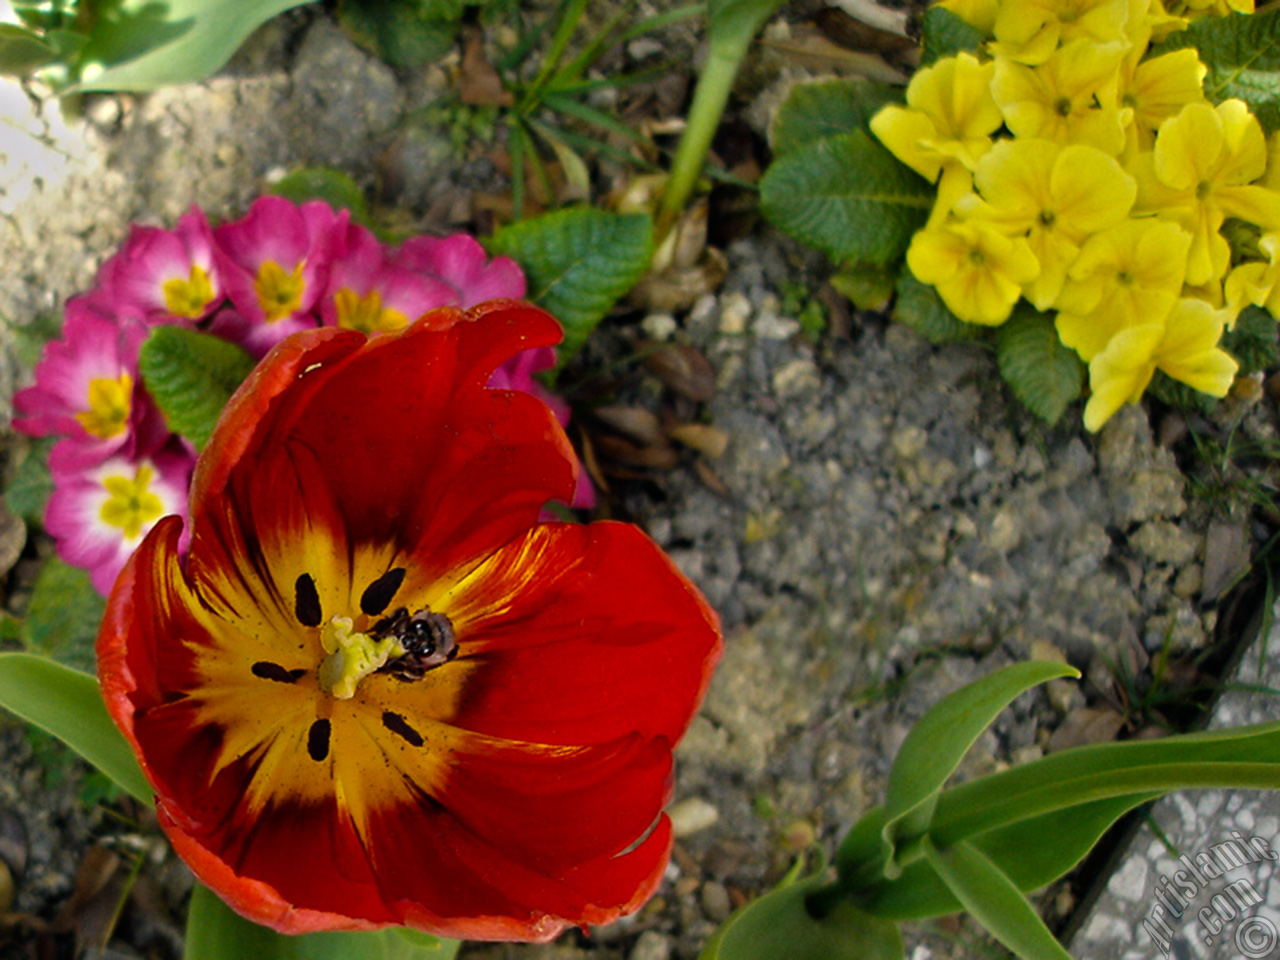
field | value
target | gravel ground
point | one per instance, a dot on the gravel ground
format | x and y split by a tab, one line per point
883	526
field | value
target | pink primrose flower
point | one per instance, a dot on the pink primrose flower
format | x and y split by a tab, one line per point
99	515
169	275
87	387
367	292
462	263
275	264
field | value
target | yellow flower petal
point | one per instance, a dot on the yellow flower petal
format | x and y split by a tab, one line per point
1120	373
1188	147
904	132
1189	350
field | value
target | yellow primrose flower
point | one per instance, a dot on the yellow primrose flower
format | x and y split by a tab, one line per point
1256	281
1201	171
1184	346
1157	89
1196	9
1123	277
1150	22
948	120
979	14
978	271
1055	196
1070	98
1029	31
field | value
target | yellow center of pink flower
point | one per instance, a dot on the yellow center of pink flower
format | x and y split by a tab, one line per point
131	506
109	405
279	293
366	313
188	298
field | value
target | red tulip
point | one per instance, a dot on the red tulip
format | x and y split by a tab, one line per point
376	690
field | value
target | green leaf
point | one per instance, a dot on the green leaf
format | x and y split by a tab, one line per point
848	196
28	491
1045	375
142	45
995	902
1241	757
919	307
405	33
579	261
191	376
1242	52
1033	852
929	755
68	704
868	285
735	22
216	932
1253	340
826	108
64	614
779	925
943	34
324	183
22	50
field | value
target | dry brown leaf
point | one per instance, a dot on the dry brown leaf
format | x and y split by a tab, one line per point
634	455
479	84
1085	726
682	369
810	49
1226	557
636	423
678	288
706	439
843	29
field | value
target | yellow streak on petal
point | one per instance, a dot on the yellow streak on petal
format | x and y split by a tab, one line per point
188	298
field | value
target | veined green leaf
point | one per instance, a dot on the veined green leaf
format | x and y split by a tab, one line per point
943	34
68	704
579	262
1242	52
994	901
848	196
191	376
141	45
64	614
405	33
28	491
918	306
1045	375
324	183
216	932
826	108
22	50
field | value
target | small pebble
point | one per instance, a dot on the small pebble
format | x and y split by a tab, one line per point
691	815
652	945
715	901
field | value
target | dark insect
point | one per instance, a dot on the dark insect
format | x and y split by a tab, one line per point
427	638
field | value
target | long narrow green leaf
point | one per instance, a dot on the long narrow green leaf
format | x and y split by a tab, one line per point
939	741
1033	853
995	902
216	932
949	826
68	704
660	20
576	108
976	806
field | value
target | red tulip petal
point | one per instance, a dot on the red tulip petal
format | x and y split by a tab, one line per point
550	622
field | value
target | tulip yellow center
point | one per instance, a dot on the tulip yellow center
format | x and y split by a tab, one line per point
279	293
351	656
188	298
109	404
130	505
366	313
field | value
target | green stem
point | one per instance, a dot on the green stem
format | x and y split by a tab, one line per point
709	99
